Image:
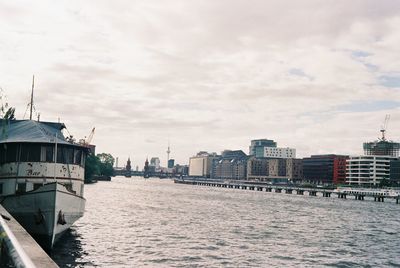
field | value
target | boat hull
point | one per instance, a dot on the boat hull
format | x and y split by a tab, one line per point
46	213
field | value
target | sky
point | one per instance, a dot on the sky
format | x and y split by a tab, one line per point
315	75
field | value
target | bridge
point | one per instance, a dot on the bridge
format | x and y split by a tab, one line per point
357	194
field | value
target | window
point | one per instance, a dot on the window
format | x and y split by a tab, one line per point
47	153
1	188
60	155
83	160
69	155
10	152
2	153
30	152
65	155
78	156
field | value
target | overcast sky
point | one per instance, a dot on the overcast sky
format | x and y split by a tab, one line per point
315	75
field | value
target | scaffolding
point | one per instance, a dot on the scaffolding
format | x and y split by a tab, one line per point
382	147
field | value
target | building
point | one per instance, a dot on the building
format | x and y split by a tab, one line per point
146	169
395	171
377	163
274	152
325	169
155	161
382	147
257	168
231	165
368	170
233	169
201	164
256	147
294	169
273	170
182	170
171	163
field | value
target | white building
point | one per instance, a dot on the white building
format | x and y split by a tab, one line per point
155	163
273	152
201	164
368	169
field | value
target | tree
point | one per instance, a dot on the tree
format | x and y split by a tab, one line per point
92	166
6	112
106	164
106	158
102	165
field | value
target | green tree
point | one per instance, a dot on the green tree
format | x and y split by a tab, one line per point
106	164
92	166
106	158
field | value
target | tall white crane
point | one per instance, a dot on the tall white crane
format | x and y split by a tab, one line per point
384	127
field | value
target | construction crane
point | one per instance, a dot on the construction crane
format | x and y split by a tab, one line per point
88	140
384	127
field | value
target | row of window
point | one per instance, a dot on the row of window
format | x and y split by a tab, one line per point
28	152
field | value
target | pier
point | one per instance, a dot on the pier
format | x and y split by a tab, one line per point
18	248
248	185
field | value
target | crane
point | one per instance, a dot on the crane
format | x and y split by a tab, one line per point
86	141
89	139
384	127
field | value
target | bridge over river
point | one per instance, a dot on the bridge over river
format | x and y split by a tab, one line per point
358	194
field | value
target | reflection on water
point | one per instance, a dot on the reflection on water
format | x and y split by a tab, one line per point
68	251
156	223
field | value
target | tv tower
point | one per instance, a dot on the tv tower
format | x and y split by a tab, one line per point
168	152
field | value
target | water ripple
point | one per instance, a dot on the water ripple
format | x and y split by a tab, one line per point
156	223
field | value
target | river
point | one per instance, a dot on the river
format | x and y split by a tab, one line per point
133	222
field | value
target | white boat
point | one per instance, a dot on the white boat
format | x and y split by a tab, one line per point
41	177
368	192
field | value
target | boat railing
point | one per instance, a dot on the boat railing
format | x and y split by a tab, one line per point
11	247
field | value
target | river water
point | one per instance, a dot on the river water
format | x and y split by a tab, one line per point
155	223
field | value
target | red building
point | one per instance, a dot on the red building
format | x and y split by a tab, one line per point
339	169
325	169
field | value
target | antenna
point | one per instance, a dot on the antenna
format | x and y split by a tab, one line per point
33	85
384	127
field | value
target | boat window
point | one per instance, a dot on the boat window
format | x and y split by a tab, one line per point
21	188
2	154
83	160
69	155
1	188
9	153
78	156
47	154
30	152
60	155
65	155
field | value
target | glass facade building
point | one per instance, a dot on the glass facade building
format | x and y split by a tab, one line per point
256	147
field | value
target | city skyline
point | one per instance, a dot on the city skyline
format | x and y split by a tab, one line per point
206	76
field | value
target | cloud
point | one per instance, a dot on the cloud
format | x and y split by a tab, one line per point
207	75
